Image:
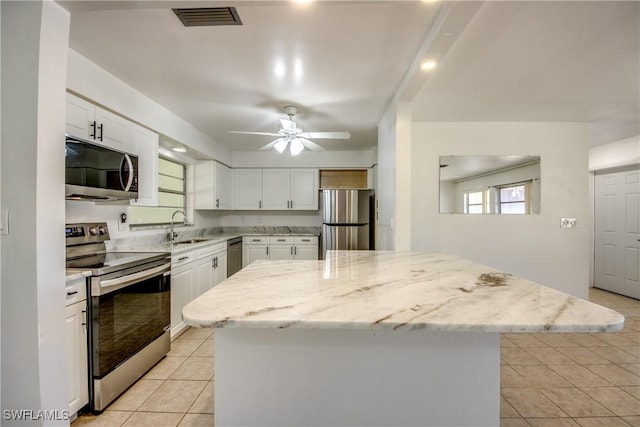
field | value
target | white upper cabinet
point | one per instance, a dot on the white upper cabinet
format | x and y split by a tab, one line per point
144	144
276	189
247	189
223	186
212	186
304	189
88	121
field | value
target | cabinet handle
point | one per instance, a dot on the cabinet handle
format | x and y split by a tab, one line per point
291	250
183	258
84	319
92	125
71	293
281	240
291	204
260	204
295	250
101	131
217	203
267	250
256	240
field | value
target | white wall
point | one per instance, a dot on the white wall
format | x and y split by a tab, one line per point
34	47
618	153
89	80
531	246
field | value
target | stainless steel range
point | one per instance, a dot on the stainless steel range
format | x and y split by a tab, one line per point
129	310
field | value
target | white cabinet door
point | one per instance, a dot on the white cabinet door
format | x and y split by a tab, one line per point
276	189
77	376
304	189
223	187
211	186
204	276
247	184
220	269
112	130
183	282
204	185
281	252
306	252
254	252
80	114
144	144
88	121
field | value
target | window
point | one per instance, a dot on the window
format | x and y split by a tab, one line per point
475	202
171	196
512	199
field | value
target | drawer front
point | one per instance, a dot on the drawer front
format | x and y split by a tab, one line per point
306	240
75	290
211	250
182	258
255	240
281	240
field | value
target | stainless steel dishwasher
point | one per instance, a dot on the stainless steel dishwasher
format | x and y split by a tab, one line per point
234	256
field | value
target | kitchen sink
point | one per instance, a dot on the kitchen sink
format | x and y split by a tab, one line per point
186	242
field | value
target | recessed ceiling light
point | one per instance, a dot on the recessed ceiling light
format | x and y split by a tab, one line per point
179	149
428	65
302	1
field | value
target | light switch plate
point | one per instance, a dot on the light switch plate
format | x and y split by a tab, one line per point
568	223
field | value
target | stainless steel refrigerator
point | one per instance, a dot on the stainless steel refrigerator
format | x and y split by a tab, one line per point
346	220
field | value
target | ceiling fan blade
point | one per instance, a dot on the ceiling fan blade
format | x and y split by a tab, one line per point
327	135
253	133
288	125
270	145
310	145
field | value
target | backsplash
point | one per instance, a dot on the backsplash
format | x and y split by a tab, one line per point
160	239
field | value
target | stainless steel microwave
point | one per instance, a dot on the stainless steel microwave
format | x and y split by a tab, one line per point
95	172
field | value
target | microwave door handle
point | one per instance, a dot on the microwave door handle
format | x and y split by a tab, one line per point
130	164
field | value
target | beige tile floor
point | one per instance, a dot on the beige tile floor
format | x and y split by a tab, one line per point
547	380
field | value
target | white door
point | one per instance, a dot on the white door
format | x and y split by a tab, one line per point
304	189
113	131
204	273
144	144
183	282
80	114
77	376
248	189
306	252
223	187
220	271
281	252
253	253
276	192
617	232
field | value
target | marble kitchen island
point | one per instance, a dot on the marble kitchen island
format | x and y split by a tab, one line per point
374	338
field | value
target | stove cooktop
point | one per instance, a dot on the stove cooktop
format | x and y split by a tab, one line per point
108	262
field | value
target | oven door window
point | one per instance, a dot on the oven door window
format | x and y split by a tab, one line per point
126	320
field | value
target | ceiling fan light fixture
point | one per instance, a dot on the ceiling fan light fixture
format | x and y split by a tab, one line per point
296	147
281	145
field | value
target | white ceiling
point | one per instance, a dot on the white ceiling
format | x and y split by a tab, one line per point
525	61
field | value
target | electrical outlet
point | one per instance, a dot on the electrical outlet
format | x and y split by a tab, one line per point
568	223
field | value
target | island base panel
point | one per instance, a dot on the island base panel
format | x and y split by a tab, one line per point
316	377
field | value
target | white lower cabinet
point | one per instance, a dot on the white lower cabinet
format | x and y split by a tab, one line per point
279	248
77	348
192	274
254	248
183	280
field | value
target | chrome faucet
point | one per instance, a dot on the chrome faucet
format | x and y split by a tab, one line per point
172	234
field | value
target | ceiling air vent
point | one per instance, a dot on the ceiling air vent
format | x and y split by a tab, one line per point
208	16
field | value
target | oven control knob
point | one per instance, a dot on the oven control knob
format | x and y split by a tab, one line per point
93	231
102	231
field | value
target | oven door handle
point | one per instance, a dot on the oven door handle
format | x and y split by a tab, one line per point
107	286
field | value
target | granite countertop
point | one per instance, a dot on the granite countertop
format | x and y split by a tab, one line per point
392	290
158	243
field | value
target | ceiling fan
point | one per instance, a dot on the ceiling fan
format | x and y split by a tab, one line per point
289	135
